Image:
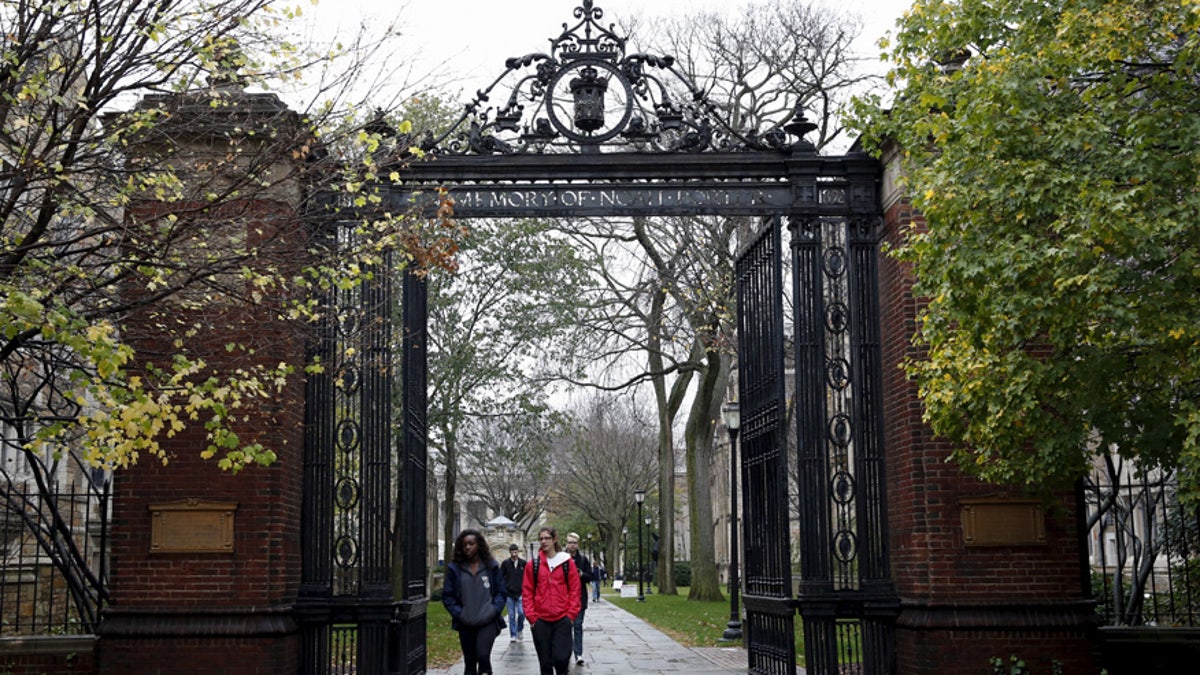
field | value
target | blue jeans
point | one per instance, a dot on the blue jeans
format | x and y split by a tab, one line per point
578	643
595	589
516	609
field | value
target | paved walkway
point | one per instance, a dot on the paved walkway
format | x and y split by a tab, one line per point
617	643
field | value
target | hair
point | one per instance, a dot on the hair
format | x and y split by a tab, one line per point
575	535
553	533
485	553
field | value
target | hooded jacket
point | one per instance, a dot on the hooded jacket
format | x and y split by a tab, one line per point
555	597
452	592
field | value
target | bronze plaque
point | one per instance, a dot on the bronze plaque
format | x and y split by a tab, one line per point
1001	521
192	526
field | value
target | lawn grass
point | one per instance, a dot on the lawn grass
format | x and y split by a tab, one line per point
691	623
441	641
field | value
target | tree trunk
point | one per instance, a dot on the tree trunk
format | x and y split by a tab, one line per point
706	583
668	408
451	495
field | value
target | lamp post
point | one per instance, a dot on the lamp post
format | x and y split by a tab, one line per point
639	496
731	415
532	550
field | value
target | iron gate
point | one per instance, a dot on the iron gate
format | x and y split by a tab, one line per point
349	621
588	130
844	596
769	623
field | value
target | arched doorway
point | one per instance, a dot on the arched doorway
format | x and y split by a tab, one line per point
588	129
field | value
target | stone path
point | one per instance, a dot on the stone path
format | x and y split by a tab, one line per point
617	643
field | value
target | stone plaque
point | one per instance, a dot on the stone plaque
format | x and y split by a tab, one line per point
192	526
1003	521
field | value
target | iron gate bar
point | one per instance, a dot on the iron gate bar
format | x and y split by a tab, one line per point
317	514
815	593
880	604
408	654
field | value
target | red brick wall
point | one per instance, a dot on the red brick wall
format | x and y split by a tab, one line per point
203	656
220	612
961	606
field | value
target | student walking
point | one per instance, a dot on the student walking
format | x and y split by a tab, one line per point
585	578
551	592
598	577
513	570
474	594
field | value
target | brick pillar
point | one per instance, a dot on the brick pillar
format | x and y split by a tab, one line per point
965	602
182	600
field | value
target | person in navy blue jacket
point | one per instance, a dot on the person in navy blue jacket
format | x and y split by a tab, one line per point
474	594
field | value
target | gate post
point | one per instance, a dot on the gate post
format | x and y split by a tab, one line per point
206	564
963	603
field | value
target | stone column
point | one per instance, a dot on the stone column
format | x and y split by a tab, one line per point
980	572
205	563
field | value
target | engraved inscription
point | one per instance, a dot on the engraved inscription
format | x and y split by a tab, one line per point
601	198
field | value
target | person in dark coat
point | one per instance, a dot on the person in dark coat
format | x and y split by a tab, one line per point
585	577
513	570
474	593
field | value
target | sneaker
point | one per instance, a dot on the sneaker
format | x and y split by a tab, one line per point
512	639
520	636
579	660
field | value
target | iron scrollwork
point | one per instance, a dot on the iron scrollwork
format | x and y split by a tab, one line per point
587	94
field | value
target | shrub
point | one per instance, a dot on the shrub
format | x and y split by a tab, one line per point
683	573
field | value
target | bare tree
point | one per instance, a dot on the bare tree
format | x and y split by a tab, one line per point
763	67
632	313
777	57
506	465
609	452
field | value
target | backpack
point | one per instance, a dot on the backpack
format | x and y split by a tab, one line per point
537	564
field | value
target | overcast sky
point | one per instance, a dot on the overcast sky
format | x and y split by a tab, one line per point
474	37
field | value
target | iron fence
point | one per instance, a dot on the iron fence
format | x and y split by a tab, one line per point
52	558
1144	551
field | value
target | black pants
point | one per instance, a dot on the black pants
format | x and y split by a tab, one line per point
552	640
476	644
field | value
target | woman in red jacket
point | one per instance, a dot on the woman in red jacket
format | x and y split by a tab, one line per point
550	591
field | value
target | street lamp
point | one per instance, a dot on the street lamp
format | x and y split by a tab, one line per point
639	495
732	418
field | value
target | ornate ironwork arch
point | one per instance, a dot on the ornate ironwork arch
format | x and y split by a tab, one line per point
588	129
587	94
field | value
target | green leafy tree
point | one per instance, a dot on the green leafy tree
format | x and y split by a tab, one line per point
1051	147
497	327
108	211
